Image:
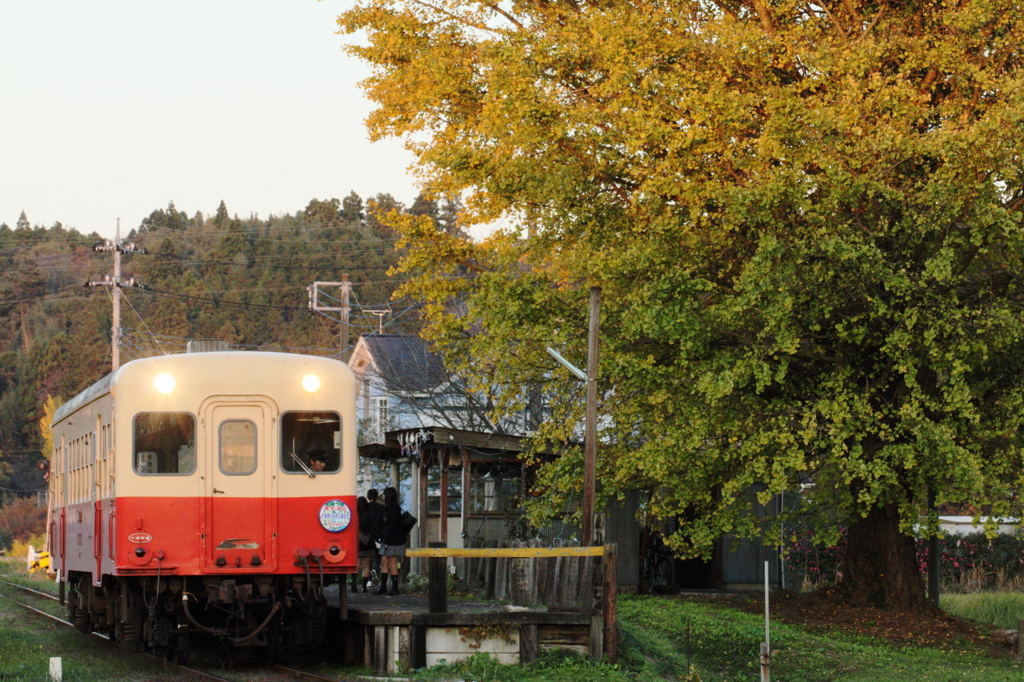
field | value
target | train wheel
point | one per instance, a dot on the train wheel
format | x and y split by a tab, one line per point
78	603
275	644
72	606
179	655
130	617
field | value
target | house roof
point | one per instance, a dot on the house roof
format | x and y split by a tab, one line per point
404	362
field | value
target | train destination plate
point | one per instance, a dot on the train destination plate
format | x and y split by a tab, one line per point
335	516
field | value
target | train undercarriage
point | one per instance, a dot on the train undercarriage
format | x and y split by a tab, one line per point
160	614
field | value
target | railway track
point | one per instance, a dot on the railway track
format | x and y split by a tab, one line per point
194	673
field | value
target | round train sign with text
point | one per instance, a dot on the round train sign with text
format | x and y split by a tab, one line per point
335	516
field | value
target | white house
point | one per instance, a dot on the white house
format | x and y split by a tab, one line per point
403	385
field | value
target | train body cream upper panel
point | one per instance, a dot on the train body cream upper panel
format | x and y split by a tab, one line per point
222	423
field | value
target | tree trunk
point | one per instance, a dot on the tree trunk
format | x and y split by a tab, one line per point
880	568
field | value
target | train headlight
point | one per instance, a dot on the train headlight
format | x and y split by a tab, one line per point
164	383
335	516
311	382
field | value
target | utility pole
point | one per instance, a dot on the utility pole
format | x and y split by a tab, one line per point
115	283
590	439
345	288
590	428
316	306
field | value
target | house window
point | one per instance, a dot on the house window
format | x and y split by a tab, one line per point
494	488
434	491
381	417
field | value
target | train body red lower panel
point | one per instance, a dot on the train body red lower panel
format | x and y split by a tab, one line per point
200	536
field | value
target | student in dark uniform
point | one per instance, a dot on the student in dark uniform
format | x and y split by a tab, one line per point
369	530
376	508
393	538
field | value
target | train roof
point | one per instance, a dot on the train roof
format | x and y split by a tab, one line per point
103	385
85	397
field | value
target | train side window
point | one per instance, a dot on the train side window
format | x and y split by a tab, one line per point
164	443
237	447
305	433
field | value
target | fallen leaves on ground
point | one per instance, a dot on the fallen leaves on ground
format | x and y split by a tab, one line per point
824	610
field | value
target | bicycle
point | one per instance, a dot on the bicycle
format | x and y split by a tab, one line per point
658	567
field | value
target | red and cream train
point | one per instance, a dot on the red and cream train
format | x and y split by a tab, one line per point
182	499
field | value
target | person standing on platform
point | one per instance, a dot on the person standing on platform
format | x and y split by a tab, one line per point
370	514
393	539
377	508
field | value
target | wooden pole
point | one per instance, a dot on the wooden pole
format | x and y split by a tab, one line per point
115	328
443	464
437	586
345	289
528	643
1019	649
610	606
424	473
590	440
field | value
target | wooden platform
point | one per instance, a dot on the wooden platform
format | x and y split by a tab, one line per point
389	633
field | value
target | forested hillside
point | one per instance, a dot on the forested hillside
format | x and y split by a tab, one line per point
219	276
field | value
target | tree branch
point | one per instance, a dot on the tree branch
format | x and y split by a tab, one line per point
457	18
765	17
505	14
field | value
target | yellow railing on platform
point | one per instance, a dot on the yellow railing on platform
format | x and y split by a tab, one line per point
505	552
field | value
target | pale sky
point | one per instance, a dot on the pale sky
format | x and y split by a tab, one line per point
111	108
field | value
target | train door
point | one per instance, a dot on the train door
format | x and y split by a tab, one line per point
240	520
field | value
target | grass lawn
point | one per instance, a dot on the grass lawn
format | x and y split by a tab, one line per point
1002	609
28	641
722	642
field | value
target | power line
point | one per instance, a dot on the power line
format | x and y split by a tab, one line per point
220	302
46	296
184	341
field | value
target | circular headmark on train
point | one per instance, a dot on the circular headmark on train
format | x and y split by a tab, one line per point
335	516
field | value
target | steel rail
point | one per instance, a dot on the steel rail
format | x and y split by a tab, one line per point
40	612
177	667
48	595
305	676
302	675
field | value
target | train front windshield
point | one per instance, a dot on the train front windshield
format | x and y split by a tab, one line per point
165	443
311	442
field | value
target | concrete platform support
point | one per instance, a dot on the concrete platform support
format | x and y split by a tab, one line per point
391	641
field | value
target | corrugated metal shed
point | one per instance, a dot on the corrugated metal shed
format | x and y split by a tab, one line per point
622	528
743	560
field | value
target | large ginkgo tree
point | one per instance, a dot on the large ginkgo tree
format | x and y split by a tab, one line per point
805	220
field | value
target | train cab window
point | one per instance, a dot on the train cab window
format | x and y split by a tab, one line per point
310	434
165	443
237	447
